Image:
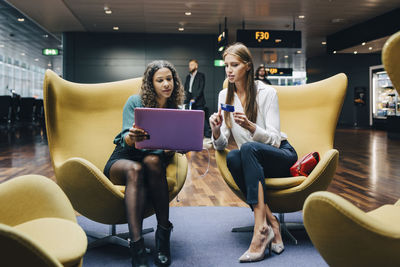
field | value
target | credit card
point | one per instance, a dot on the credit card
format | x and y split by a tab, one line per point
227	108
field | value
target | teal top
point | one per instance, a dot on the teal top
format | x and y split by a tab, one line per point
128	119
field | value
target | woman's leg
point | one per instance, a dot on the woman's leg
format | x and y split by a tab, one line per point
260	225
130	173
157	187
158	190
259	161
234	164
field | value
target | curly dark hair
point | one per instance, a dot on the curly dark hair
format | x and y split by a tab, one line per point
148	94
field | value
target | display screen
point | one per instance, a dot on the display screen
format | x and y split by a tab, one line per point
269	38
279	71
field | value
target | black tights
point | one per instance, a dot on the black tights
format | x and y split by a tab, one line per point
142	179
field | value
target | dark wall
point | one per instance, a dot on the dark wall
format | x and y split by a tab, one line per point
356	67
105	57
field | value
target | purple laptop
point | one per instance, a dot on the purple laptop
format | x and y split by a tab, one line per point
171	129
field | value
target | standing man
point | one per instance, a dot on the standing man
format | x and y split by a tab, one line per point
194	92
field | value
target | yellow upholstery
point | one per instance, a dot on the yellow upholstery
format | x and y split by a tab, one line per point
38	225
82	121
309	114
391	59
346	236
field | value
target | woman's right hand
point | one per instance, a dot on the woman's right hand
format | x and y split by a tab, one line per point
215	123
136	134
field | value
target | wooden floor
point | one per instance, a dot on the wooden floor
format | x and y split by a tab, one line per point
368	174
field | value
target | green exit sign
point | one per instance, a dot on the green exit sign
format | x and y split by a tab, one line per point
50	52
219	63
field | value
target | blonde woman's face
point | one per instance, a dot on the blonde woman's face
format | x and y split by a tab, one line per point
163	83
236	70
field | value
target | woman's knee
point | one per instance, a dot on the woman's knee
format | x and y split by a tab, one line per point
233	159
248	148
134	172
152	161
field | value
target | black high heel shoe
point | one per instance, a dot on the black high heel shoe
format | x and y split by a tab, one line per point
138	253
163	252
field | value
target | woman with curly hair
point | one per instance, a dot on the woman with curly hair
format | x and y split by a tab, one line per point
144	171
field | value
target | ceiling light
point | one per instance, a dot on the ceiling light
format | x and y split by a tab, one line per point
22	54
272	61
36	59
324	43
334	52
355	52
188	13
302	17
115	28
278	40
21	19
298	52
108	11
1	45
45	35
286	56
181	29
370	48
49	64
363	43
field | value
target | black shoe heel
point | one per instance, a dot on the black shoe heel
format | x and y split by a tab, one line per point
138	253
163	252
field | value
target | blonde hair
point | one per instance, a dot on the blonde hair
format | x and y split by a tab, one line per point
148	93
250	109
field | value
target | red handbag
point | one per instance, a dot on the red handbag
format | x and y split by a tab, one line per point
305	165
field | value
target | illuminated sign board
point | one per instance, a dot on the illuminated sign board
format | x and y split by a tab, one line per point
222	41
279	71
50	52
269	39
219	63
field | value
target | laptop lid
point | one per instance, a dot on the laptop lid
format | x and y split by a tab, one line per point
171	129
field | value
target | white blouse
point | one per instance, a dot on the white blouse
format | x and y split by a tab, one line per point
267	123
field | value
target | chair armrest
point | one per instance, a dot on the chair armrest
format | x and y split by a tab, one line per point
91	193
17	249
176	174
31	197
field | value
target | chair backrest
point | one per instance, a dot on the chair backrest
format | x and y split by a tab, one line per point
309	113
83	119
391	59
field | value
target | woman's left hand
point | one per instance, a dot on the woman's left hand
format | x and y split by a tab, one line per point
241	119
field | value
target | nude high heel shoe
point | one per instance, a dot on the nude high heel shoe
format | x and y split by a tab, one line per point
277	248
257	256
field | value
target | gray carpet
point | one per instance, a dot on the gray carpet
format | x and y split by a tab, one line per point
202	237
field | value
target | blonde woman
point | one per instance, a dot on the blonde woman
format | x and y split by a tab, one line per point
144	171
263	150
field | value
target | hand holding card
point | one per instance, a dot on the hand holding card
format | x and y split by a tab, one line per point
227	108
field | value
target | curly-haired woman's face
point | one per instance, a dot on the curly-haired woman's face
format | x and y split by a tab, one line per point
163	83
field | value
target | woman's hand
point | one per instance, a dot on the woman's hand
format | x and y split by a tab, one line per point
241	119
215	124
136	134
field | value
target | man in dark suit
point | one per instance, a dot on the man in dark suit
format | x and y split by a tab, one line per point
194	92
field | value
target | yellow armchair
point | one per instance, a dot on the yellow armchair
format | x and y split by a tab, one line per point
344	235
38	225
82	121
309	114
